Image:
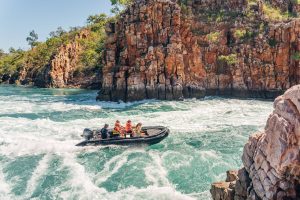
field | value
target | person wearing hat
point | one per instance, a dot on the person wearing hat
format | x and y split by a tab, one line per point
104	132
138	130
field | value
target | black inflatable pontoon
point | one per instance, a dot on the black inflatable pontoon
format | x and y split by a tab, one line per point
153	135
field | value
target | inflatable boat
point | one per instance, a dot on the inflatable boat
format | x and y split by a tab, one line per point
152	135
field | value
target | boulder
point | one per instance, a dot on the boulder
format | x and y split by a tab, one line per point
271	158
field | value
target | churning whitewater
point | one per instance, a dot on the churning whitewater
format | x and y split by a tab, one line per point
40	127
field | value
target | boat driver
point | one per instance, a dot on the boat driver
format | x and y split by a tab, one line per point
104	131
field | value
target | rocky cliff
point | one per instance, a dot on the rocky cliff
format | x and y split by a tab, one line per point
168	49
59	72
58	68
271	158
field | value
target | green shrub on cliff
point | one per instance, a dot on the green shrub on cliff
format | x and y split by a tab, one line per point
296	56
229	59
274	13
41	54
93	45
243	34
240	33
184	7
214	37
272	42
10	63
90	58
220	15
119	5
97	22
252	2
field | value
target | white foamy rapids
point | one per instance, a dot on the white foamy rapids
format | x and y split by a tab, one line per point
211	114
181	159
21	136
32	107
156	173
120	160
37	175
195	115
132	193
44	135
86	187
81	182
28	137
5	188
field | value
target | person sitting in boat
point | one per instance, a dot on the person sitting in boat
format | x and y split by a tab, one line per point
128	128
118	130
104	131
138	130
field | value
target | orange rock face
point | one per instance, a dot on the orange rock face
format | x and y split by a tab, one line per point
159	49
64	63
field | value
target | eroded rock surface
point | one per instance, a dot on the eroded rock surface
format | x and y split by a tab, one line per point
65	62
159	49
272	158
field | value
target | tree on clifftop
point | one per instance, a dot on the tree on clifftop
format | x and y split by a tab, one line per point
32	38
96	19
119	5
58	33
2	53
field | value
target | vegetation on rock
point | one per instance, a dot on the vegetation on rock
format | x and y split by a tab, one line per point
296	56
86	49
275	14
40	55
11	62
213	37
229	59
119	5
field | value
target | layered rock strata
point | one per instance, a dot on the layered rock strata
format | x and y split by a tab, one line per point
165	49
271	158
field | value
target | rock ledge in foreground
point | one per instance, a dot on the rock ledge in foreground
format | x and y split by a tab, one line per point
271	158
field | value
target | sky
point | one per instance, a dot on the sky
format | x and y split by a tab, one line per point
19	17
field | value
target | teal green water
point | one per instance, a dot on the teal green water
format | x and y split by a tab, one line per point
39	128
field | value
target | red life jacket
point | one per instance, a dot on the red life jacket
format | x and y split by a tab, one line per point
117	127
128	127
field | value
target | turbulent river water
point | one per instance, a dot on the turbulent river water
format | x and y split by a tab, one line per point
39	128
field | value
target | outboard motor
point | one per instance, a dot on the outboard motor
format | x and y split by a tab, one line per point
87	134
